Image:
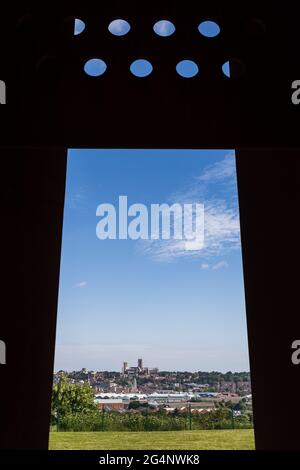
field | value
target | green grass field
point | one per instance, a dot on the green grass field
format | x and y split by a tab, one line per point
239	439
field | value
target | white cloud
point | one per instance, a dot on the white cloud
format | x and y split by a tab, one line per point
81	284
205	266
220	265
220	170
215	187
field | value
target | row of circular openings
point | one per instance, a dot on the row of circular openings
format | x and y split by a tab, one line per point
164	28
142	68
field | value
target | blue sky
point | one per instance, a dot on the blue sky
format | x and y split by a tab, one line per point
124	299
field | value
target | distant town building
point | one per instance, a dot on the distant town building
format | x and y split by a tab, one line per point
124	368
183	407
139	369
109	404
134	385
133	371
173	390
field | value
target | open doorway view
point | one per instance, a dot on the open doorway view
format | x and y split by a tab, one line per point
151	340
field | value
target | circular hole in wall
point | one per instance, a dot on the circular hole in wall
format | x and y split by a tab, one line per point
209	29
164	28
119	27
187	68
95	67
141	68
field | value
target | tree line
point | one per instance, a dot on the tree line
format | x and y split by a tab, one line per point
74	409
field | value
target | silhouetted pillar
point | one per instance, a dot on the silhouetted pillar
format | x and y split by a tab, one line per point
32	186
269	185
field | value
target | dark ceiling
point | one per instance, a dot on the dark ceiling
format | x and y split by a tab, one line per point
50	99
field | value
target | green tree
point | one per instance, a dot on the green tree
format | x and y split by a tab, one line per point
68	398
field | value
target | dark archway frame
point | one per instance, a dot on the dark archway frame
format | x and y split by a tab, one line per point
52	105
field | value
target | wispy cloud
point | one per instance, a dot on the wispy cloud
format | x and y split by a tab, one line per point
215	267
220	265
220	171
205	266
215	187
81	284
